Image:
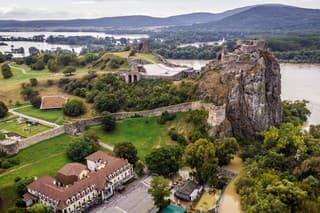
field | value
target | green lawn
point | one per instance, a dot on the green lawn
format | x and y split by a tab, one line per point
22	129
150	57
144	132
54	116
44	158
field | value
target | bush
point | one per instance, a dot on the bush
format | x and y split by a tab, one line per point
69	70
50	83
20	203
3	110
175	136
17	179
36	101
74	107
21	186
52	65
6	71
165	117
139	168
63	81
108	122
33	82
6	164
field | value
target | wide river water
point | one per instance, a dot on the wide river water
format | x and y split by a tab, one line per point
46	46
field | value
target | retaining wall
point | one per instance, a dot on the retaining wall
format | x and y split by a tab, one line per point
215	118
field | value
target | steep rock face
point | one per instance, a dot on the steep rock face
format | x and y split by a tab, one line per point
248	82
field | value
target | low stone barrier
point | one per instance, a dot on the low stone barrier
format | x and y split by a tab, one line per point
215	118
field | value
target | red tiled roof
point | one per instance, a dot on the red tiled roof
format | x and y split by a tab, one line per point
53	102
72	169
46	186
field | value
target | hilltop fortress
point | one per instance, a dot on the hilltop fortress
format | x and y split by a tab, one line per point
248	81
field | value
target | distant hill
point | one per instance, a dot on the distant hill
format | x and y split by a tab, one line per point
267	18
259	18
123	21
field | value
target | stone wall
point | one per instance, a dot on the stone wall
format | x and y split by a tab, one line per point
24	143
215	118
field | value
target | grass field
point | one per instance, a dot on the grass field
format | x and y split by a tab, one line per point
13	127
150	57
38	160
54	116
145	133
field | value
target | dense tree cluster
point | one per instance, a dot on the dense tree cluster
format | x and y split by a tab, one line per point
282	169
108	93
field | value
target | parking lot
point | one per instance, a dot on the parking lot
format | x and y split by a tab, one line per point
135	199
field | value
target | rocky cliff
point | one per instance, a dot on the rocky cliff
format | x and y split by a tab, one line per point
248	82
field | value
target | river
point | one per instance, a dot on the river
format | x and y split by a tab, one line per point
299	82
46	46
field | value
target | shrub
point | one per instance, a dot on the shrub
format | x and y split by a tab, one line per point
74	107
139	168
165	117
50	82
20	203
17	179
39	65
69	70
63	81
6	164
3	110
21	186
6	71
33	82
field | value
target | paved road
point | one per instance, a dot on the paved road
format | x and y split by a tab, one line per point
18	68
135	199
45	123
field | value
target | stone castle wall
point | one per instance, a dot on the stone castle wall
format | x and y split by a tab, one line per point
215	118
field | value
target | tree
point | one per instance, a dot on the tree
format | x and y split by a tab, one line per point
164	160
295	112
36	101
106	102
3	110
201	156
40	208
28	92
126	150
159	190
33	82
21	185
74	107
108	121
53	65
79	149
6	71
226	148
69	70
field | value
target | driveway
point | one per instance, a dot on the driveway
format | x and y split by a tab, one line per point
135	199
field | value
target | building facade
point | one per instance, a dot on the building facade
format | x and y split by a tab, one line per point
77	187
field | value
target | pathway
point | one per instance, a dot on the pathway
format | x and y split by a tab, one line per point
106	146
18	68
43	122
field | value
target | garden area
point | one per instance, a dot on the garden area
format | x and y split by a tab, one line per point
23	129
144	132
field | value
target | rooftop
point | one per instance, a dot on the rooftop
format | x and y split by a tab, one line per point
72	169
53	102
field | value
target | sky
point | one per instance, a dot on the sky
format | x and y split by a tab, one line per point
69	9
